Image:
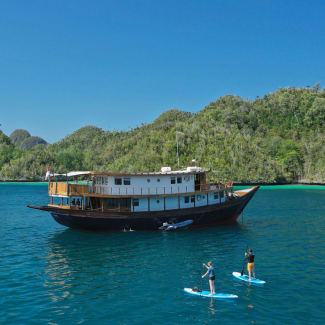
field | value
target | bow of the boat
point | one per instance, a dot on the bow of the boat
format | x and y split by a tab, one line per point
248	191
245	196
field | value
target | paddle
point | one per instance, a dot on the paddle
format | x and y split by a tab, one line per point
202	281
242	271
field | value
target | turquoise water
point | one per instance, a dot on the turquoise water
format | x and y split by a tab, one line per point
53	275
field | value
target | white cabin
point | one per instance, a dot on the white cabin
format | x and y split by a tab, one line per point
139	192
160	183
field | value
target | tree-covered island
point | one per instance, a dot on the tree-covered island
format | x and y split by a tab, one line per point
279	138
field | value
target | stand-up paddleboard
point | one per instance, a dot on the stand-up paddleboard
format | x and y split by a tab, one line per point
245	277
207	294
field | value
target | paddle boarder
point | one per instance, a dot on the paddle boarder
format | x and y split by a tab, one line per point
250	263
212	276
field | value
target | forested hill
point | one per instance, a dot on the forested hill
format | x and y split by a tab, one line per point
277	138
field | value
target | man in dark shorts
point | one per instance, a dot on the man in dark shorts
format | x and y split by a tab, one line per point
212	277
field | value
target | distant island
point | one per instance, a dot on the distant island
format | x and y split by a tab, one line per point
279	138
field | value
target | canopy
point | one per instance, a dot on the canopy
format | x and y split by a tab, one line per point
71	174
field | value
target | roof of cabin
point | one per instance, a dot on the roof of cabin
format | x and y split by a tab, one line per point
187	171
170	173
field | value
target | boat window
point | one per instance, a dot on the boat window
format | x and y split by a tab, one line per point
118	181
216	195
222	194
173	180
158	201
106	180
127	181
158	179
135	202
186	199
148	180
193	199
179	179
186	178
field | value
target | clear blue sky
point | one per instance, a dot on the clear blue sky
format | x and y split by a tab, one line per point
117	64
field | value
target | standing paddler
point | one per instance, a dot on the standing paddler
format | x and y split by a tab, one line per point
212	277
250	263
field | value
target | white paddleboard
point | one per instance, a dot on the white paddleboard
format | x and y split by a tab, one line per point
207	294
245	277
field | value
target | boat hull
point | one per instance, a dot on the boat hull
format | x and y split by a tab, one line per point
209	215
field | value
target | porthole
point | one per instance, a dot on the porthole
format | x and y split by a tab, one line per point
148	180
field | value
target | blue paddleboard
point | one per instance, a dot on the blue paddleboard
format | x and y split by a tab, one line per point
245	277
207	294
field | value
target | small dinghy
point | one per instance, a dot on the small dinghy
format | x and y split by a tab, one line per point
174	226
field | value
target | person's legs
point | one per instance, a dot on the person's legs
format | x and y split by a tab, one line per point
249	271
213	288
254	271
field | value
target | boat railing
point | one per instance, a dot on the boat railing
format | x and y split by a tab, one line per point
144	191
66	189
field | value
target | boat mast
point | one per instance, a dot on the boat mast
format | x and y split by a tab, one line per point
178	133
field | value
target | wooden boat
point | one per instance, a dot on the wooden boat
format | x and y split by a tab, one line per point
143	201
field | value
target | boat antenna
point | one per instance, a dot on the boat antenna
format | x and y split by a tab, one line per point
178	133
